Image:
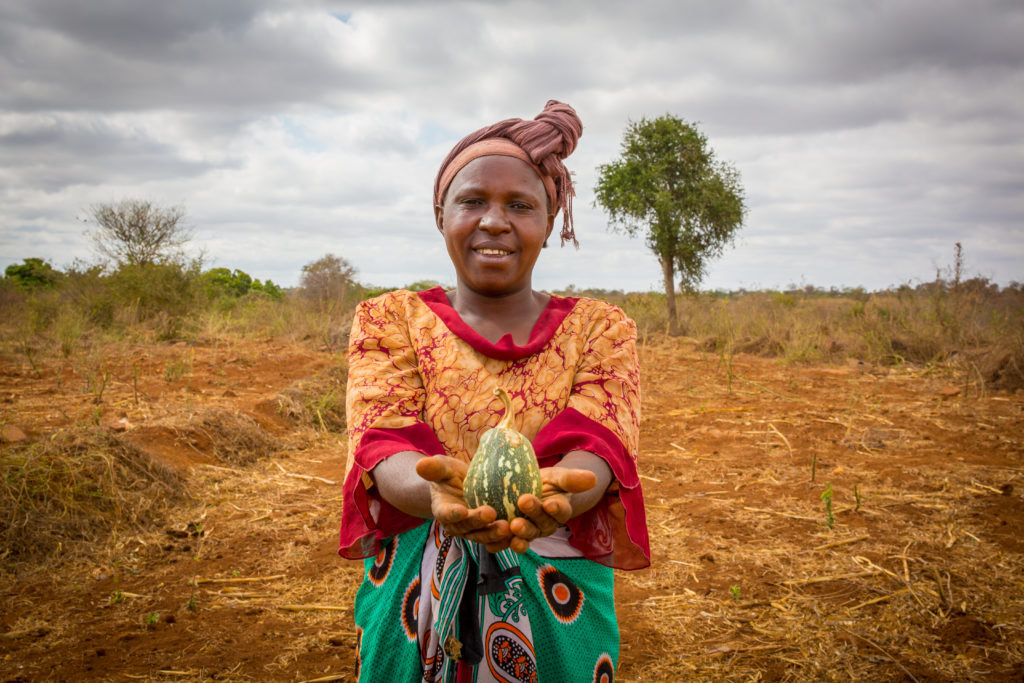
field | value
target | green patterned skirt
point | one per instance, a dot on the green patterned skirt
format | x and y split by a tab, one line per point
436	608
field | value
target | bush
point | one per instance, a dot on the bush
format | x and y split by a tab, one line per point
32	273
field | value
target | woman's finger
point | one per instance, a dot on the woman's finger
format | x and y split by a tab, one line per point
436	468
548	514
569	480
490	534
451	513
473	520
533	510
519	545
482	516
497	546
558	508
526	529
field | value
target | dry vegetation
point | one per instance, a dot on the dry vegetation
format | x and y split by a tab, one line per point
834	486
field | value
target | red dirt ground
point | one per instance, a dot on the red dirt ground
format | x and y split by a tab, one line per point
920	578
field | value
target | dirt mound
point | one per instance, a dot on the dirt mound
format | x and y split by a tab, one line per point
1003	370
211	436
79	487
317	402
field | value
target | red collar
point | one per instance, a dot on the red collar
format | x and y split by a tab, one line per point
505	349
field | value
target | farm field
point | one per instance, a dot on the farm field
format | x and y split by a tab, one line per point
808	522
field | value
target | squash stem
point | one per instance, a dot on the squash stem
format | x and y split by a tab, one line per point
506	419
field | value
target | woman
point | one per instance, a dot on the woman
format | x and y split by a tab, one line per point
451	593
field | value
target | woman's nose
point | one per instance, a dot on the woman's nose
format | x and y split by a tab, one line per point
494	219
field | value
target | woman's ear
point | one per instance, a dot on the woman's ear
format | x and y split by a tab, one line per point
551	225
439	217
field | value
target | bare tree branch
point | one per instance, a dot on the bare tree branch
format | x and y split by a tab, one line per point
137	232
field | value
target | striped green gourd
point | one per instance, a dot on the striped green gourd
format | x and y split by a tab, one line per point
503	468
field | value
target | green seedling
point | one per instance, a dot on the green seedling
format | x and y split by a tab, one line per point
735	590
826	496
180	367
152	619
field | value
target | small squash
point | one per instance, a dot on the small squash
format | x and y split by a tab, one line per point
503	468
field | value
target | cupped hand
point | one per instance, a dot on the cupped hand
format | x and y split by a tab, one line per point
545	514
448	506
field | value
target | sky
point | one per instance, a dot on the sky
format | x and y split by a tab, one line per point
870	136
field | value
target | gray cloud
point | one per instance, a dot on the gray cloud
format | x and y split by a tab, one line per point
870	136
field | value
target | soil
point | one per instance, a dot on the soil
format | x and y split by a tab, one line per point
916	573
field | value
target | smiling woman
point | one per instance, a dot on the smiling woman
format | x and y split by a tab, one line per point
451	592
495	221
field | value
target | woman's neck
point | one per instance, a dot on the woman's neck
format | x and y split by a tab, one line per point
493	317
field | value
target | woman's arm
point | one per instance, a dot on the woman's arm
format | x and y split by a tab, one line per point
398	484
582	501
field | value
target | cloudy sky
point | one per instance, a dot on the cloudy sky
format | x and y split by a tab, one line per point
870	135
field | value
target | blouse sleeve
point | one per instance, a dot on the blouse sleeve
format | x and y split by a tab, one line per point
603	417
384	404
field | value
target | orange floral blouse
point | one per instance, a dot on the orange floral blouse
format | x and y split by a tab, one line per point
420	379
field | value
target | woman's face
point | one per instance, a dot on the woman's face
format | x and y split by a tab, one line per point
495	222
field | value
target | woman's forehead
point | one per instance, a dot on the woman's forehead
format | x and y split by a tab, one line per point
496	170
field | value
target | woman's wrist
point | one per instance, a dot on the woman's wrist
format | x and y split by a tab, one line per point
397	483
585	460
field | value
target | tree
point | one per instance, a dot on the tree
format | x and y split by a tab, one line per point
327	279
33	273
138	233
237	283
668	184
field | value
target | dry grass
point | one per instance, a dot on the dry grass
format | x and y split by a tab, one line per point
843	605
915	582
973	327
922	577
83	487
232	438
76	489
318	401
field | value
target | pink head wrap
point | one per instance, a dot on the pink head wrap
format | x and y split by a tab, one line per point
542	143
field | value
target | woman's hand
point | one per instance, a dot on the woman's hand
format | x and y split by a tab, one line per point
449	508
555	507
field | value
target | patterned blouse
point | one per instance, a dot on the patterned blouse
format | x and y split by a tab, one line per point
420	379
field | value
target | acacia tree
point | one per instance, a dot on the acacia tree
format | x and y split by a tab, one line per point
668	185
138	233
327	279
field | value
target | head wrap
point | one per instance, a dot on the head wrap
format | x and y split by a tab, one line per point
542	143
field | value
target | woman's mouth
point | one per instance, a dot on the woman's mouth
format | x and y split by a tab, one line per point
493	252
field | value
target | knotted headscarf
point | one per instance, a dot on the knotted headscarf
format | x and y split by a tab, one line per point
543	143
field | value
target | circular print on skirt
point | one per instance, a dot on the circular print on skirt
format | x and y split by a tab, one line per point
604	670
442	556
382	563
563	596
411	609
510	656
359	647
